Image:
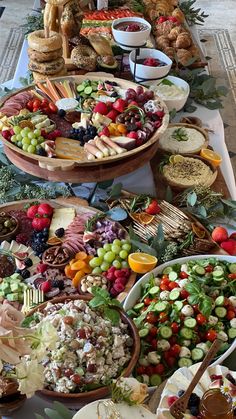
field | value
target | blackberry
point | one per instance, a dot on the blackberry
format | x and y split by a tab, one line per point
41	152
114	94
194	400
180	393
25	273
58	283
28	262
194	410
60	232
38	247
61	113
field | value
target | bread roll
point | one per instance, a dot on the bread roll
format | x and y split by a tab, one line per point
183	40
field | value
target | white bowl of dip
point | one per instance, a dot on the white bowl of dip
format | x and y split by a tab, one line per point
173	90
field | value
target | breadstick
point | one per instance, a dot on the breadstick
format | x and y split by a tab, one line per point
91	148
113	145
99	144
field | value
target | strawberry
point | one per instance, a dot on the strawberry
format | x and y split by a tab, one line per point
39	224
120	105
41	268
45	209
153	208
229	246
162	19
46	286
173	19
133	103
112	115
105	131
219	234
101	108
171	400
32	211
132	134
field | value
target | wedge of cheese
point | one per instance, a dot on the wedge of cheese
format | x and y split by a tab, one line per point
69	149
62	217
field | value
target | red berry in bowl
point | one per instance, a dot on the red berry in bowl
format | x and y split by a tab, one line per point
171	400
46	286
118	287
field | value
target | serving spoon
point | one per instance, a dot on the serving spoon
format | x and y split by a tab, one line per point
179	407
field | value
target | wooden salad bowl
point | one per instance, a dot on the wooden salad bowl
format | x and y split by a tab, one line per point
101	392
58	164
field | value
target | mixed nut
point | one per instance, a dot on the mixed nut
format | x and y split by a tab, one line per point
56	255
93	280
7	223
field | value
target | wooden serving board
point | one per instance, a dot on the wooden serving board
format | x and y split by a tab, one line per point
63	164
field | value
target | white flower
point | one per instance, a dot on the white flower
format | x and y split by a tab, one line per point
139	391
46	338
29	376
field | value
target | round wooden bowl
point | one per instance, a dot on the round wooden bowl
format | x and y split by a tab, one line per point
58	266
195	150
176	186
99	393
12	233
58	164
7	408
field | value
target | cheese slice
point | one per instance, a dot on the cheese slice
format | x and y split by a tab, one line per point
69	149
62	217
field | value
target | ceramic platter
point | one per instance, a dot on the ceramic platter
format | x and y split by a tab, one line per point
138	412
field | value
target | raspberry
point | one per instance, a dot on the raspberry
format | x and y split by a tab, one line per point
41	268
46	286
113	292
22	238
171	400
121	280
118	287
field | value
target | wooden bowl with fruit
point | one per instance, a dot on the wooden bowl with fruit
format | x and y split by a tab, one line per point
8	226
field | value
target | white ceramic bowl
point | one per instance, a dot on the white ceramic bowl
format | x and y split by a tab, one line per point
176	103
135	292
129	40
145	72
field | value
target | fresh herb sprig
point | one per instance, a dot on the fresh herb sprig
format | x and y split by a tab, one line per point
197	296
122	393
193	16
90	223
103	301
180	134
33	22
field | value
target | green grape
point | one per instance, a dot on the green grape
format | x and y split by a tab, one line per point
116	263
107	247
31	149
13	139
25	140
97	271
124	241
34	141
95	262
37	132
105	266
123	254
25	147
126	246
26	130
109	257
124	264
116	249
30	135
19	137
117	242
17	129
19	144
41	139
101	252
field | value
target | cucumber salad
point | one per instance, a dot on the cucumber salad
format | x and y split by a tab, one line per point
180	313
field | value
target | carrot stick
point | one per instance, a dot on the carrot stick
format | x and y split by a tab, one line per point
61	89
52	89
45	90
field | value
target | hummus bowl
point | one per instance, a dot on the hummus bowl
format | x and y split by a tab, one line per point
173	90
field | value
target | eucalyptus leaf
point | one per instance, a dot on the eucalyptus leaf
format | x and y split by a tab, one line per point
115	191
144	247
229	202
38	416
105	184
66	413
202	211
192	199
52	414
3	159
169	194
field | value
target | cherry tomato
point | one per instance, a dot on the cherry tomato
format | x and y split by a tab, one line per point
149	370
35	109
159	369
196	309
230	315
163	317
152	318
209	268
174	327
30	105
164	287
141	370
147	301
47	110
232	276
166	355
165	276
183	275
76	378
201	319
68	372
227	302
184	294
172	340
211	335
36	103
53	107
175	349
171	361
45	102
172	285
153	331
154	344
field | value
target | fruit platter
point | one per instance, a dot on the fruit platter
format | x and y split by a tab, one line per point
81	121
180	308
60	250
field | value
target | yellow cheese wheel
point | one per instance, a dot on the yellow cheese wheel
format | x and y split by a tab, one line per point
69	149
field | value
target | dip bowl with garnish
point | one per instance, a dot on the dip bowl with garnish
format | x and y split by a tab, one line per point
173	90
149	64
131	32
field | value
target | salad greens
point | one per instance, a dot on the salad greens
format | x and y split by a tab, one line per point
106	304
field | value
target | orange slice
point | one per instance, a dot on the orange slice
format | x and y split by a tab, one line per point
211	155
142	262
53	241
200	232
135	216
146	218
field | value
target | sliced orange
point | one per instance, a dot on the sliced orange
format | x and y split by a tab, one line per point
141	262
135	216
200	232
211	155
54	241
146	218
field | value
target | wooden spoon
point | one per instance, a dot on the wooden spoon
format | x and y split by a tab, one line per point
179	407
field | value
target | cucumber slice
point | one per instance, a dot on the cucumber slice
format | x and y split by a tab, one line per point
154	290
80	88
88	90
220	312
217	274
131	313
94	86
167	270
232	333
155	380
185	362
178	305
186	333
174	294
232	268
219	279
160	306
138	306
143	332
199	270
191	323
165	332
197	354
219	301
173	276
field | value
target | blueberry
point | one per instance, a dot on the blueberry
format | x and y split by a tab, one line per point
86	138
180	393
194	400
60	232
18	271
25	273
114	94
28	262
61	113
194	410
45	230
41	152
